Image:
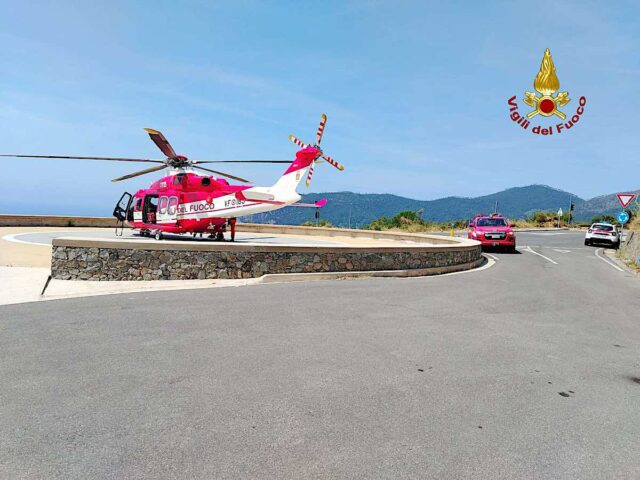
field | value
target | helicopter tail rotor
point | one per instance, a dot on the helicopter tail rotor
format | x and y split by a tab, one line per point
320	155
298	142
323	121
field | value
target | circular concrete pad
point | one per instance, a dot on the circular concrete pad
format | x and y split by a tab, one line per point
46	238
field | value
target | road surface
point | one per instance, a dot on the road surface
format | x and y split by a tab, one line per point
529	369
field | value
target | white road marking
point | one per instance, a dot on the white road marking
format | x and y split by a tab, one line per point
561	251
493	257
490	263
608	261
530	250
12	238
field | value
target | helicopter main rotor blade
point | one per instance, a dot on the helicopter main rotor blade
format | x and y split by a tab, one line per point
241	161
141	172
162	143
66	157
240	179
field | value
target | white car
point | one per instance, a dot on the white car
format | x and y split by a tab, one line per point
602	233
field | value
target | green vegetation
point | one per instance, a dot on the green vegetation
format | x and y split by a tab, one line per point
411	221
603	219
321	223
540	217
611	219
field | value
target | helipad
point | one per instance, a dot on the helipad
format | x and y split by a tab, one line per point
260	254
46	238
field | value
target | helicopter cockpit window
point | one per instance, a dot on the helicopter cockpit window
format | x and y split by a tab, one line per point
162	208
173	205
138	206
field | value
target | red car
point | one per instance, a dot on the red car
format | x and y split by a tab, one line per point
493	231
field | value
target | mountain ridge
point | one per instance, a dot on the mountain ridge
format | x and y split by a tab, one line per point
346	209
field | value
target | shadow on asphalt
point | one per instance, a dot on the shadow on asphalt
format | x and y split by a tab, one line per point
204	238
602	245
500	250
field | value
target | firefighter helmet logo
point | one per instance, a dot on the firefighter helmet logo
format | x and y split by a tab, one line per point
546	83
546	103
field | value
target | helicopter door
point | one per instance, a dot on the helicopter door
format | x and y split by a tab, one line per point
168	210
150	209
123	207
123	212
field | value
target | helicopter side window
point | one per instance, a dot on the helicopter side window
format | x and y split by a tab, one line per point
149	207
173	205
162	206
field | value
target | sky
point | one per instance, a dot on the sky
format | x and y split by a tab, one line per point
415	93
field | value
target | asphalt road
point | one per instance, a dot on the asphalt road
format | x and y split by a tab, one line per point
526	370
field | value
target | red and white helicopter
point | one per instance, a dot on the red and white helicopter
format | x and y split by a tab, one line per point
187	202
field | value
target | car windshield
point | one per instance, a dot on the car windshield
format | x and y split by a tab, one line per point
599	226
491	222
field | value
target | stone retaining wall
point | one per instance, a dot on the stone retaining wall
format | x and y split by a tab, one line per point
630	250
71	262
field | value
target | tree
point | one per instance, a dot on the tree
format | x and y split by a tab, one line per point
604	219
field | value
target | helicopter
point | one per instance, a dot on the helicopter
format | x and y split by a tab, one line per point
188	202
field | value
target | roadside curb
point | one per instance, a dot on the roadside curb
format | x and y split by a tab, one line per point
59	289
612	255
419	272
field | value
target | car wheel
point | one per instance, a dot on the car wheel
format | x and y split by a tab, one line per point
587	242
158	236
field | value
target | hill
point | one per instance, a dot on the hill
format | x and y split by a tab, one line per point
604	204
357	209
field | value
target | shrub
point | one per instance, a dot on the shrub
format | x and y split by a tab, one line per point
411	221
541	217
603	219
321	223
